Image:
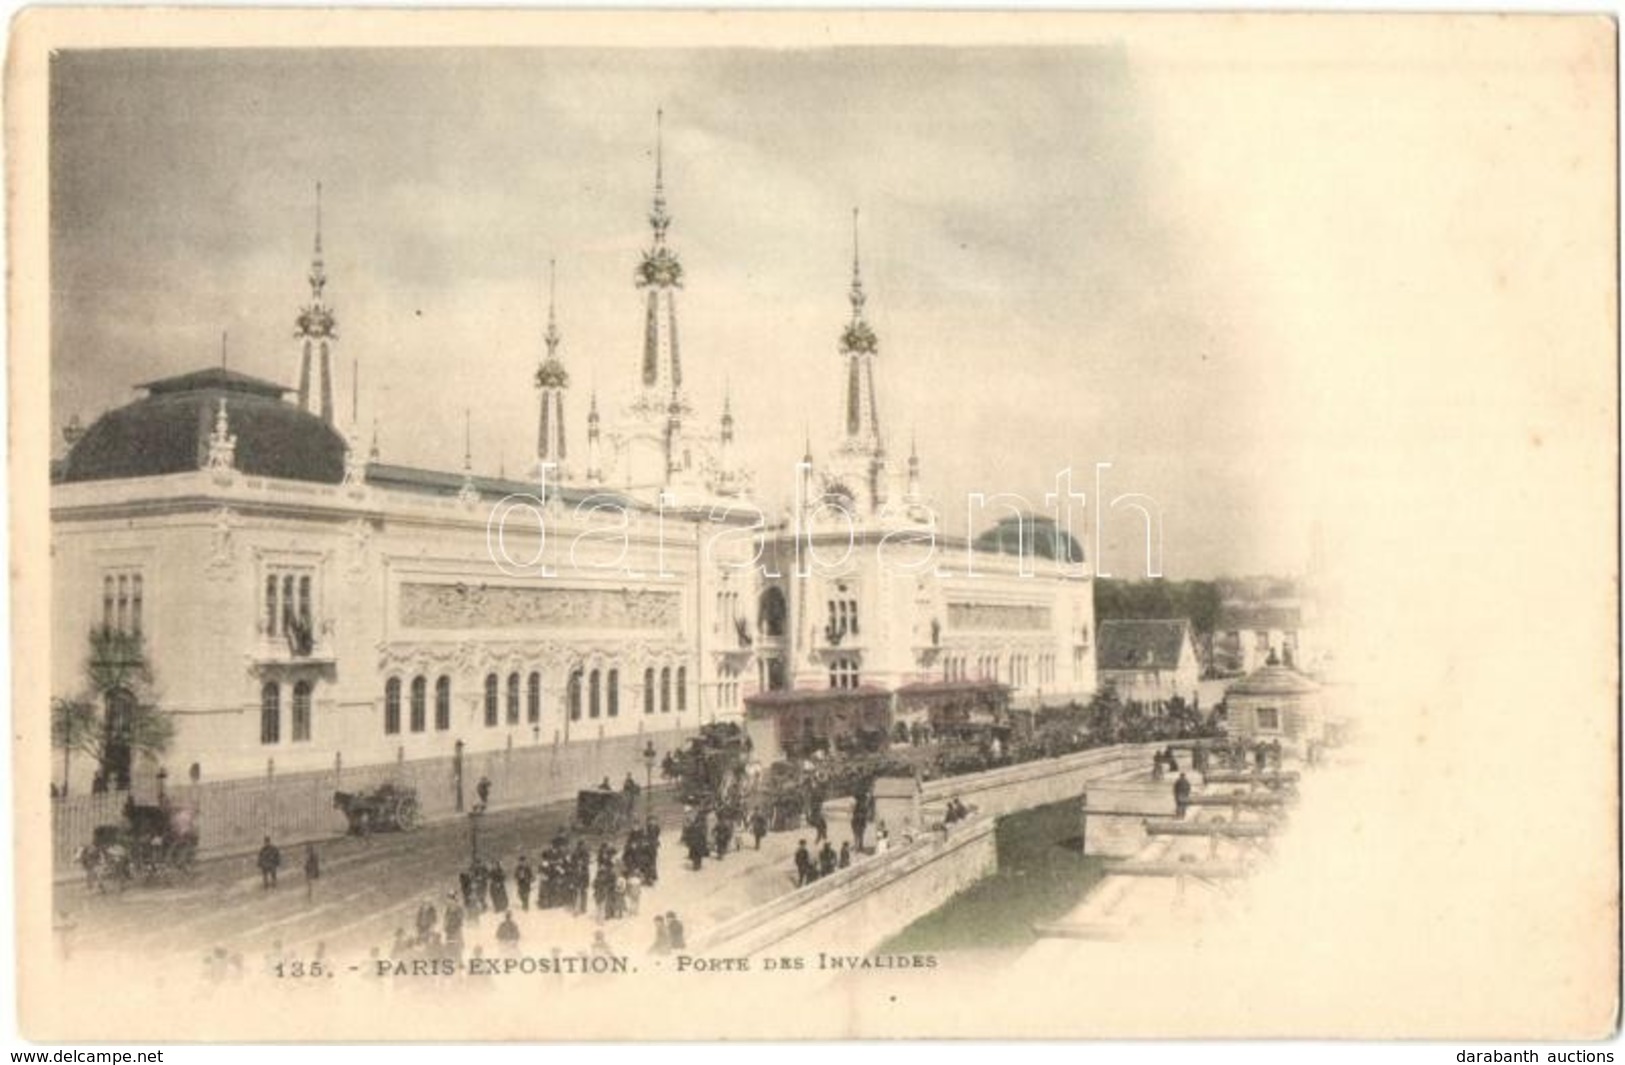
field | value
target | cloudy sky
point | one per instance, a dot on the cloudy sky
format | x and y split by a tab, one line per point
1057	276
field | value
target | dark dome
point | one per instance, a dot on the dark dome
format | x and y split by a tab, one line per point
168	432
1041	538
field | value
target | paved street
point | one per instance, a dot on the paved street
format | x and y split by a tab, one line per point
368	888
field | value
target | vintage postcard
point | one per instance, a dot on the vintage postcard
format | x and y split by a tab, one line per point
660	525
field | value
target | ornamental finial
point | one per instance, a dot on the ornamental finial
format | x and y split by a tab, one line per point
659	220
858	297
552	335
858	337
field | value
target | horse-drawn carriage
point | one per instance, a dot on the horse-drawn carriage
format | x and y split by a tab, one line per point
386	808
600	812
152	842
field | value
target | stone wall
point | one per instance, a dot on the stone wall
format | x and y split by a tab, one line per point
858	908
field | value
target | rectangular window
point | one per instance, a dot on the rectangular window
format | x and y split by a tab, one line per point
1268	718
490	700
513	698
682	689
612	697
593	694
533	700
290	603
135	604
442	704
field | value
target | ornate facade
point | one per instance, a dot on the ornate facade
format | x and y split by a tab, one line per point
303	603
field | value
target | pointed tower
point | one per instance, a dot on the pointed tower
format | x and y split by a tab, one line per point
552	381
316	330
857	478
727	479
595	462
659	276
859	346
912	492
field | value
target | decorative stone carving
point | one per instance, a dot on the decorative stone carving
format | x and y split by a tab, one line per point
222	563
360	541
998	616
464	606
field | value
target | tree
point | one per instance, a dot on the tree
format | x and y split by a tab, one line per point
118	683
74	727
1105	714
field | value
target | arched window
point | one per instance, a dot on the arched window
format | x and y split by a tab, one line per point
304	601
301	711
574	695
442	704
135	604
392	706
287	604
533	700
771	612
665	690
682	689
271	713
420	704
612	694
107	601
593	694
649	691
513	698
852	615
490	700
123	602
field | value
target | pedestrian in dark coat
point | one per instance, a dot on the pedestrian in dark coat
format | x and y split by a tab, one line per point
846	856
819	823
758	826
465	884
270	860
522	877
1182	795
675	933
662	944
826	859
453	924
313	870
499	887
805	872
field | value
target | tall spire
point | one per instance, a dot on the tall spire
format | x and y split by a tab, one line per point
468	494
316	328
659	220
728	413
660	400
595	468
859	346
857	297
552	379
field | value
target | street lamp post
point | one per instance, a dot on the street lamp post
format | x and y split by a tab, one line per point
648	778
474	816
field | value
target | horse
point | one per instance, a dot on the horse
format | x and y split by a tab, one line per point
357	811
